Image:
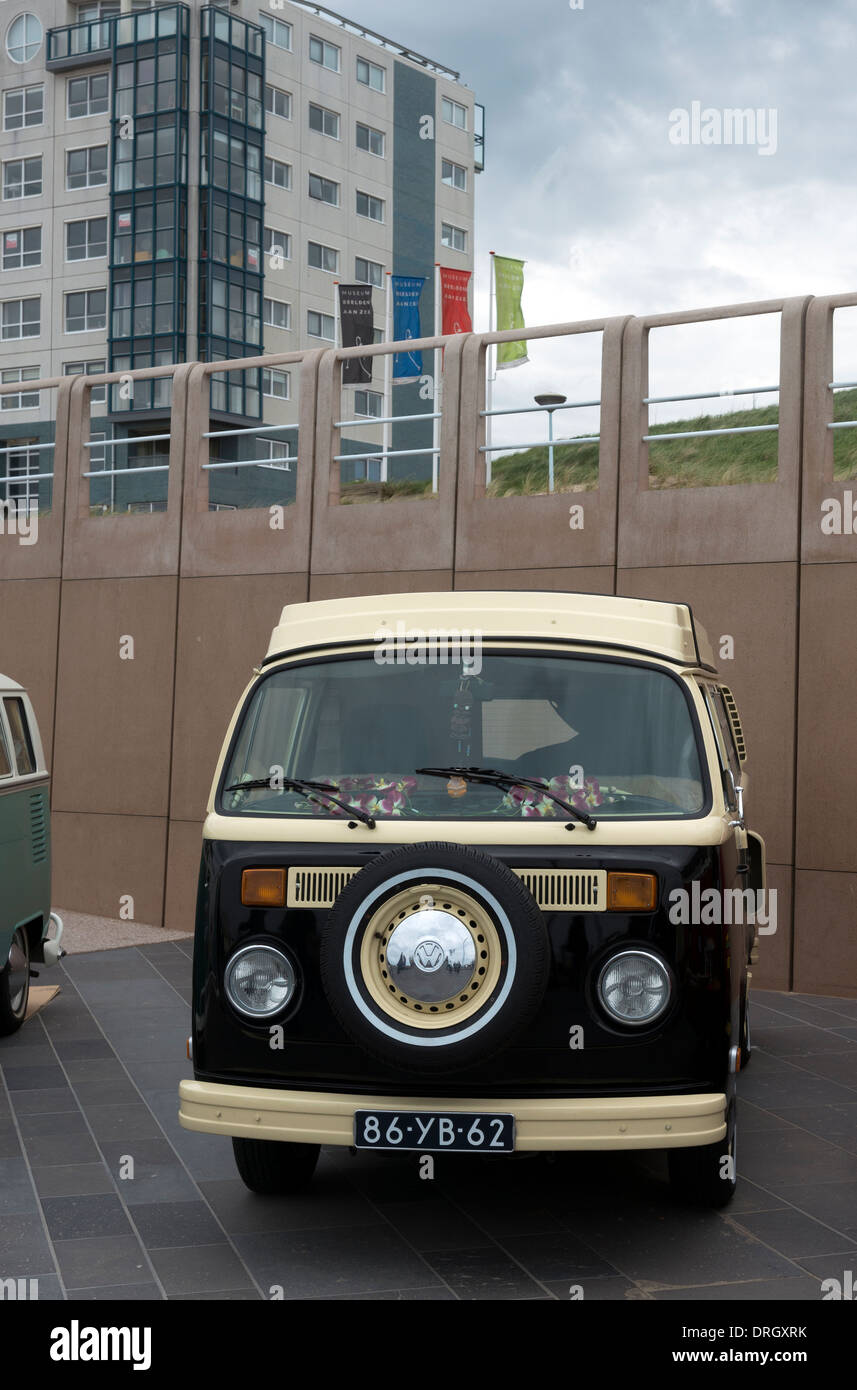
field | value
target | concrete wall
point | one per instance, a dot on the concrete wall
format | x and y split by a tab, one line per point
134	741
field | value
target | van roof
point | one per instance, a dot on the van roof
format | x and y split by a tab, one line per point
648	626
6	683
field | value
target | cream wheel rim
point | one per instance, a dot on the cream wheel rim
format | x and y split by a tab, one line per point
458	925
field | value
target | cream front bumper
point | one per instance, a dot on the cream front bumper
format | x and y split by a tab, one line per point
322	1117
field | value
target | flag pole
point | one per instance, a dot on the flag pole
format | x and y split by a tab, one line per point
388	375
438	387
489	379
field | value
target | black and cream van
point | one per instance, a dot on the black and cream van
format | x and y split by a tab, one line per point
451	889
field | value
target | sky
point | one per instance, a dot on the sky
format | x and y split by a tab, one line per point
587	182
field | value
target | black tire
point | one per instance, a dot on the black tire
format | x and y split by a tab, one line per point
515	983
15	984
700	1175
274	1168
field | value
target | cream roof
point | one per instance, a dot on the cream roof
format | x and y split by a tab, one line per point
643	625
6	683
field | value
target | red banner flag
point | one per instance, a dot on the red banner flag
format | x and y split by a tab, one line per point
455	315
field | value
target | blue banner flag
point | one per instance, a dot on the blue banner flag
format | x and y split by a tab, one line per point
406	324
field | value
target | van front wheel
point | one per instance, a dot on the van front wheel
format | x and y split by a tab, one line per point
15	984
273	1167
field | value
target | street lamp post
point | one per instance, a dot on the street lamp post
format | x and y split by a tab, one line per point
550	403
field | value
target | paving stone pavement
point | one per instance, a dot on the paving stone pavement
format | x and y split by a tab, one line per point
93	1079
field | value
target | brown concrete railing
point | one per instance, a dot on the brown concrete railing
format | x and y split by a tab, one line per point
134	741
402	536
534	532
751	521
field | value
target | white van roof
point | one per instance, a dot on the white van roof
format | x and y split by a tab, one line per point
645	626
6	683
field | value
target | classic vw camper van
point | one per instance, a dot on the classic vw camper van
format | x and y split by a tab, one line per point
29	932
450	889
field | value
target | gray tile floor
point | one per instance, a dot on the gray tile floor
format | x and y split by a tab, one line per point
89	1087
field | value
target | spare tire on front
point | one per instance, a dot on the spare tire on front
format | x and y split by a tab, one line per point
435	957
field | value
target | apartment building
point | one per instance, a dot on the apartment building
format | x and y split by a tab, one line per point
190	182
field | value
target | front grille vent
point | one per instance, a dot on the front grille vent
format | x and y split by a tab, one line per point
555	890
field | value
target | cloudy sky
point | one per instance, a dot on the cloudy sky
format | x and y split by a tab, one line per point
583	181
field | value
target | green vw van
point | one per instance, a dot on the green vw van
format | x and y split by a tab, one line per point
29	931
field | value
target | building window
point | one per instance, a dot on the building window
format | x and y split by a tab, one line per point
277	32
22	178
86	168
21	318
87	240
235	164
323	121
324	190
324	53
278	243
19	400
323	257
22	486
371	140
453	113
87	96
278	173
98	394
23	38
22	247
23	106
369	206
371	75
275	383
148	231
85	311
368	272
276	453
369	403
320	325
278	314
454	175
453	237
278	102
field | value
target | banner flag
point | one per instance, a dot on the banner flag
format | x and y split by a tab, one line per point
356	321
509	284
455	314
406	324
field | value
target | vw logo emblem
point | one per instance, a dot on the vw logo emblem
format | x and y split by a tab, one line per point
429	956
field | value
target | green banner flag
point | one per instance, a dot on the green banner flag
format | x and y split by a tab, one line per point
509	284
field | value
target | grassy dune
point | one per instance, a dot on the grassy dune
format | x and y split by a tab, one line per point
712	462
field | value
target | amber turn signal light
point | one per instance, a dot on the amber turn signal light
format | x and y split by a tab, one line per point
263	887
631	892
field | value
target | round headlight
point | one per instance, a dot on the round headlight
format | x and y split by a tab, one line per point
634	987
259	981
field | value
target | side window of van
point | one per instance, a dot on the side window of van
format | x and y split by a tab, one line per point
21	741
5	760
723	731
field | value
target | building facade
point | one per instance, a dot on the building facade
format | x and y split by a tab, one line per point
191	182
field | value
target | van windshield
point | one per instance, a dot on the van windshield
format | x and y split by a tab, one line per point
613	738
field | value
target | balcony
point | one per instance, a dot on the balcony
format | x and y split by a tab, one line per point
478	137
78	44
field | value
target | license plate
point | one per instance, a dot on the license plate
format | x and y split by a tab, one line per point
434	1132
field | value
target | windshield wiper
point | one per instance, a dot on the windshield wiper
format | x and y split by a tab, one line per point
292	784
505	781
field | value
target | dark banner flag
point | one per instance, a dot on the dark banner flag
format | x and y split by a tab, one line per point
356	320
455	314
406	324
